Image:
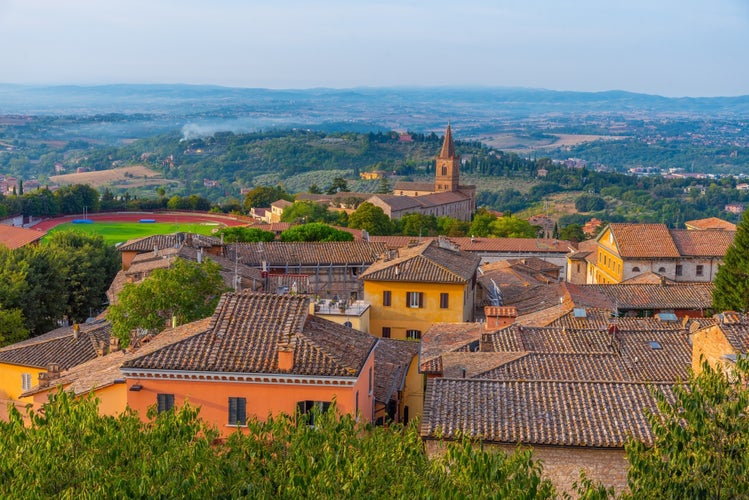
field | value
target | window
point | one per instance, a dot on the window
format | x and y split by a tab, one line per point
443	300
356	413
386	298
237	411
371	385
415	299
700	270
635	269
661	269
385	332
25	381
413	334
678	270
444	169
311	408
164	402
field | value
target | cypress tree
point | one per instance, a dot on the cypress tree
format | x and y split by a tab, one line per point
731	290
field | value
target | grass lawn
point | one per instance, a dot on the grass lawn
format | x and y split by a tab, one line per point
117	232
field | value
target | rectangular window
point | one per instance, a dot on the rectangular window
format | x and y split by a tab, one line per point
678	270
700	270
386	298
356	413
25	381
237	411
413	334
443	300
312	408
415	299
164	402
385	332
371	385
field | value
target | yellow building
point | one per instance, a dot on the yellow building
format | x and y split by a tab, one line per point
430	283
722	342
24	364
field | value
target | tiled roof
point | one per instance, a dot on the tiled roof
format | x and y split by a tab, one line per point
279	253
244	335
392	360
474	364
58	346
525	245
448	148
648	278
646	296
441	338
162	241
15	237
397	203
600	319
105	370
735	327
425	187
643	240
710	223
394	242
607	367
428	262
707	243
590	414
556	340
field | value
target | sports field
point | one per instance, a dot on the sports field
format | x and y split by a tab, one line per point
118	232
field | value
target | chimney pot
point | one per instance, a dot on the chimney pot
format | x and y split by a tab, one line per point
285	356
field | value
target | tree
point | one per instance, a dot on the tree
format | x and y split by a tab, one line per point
417	224
700	443
12	327
187	291
731	290
589	203
315	231
371	218
263	196
339	185
512	227
314	189
480	226
239	234
307	211
572	232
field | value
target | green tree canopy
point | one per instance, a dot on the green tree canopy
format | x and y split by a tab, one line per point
371	218
263	196
701	440
338	185
731	292
572	232
12	327
307	211
418	225
239	234
187	291
315	231
480	224
512	227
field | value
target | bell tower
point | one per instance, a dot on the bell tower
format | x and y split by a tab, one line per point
447	173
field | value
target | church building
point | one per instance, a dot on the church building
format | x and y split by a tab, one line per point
444	196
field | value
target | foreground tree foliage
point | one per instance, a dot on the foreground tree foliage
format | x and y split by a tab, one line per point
241	234
187	291
701	440
72	451
731	290
315	231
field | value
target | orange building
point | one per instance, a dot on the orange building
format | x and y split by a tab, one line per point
261	355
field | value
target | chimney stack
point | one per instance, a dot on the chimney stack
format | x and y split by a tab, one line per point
499	316
286	355
76	330
155	251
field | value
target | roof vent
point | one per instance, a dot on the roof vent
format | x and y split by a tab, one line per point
655	345
580	312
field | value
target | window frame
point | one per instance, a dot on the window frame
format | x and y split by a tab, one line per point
237	416
26	383
386	332
387	298
413	334
699	270
164	402
679	270
415	300
444	300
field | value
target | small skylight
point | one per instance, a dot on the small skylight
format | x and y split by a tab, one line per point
579	312
655	345
667	316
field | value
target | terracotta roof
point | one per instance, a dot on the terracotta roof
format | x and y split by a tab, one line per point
589	414
474	364
608	367
441	338
394	242
707	243
710	223
600	319
244	335
428	263
105	370
162	241
527	245
645	296
397	202
735	327
648	278
426	187
58	346
277	253
643	240
15	237
281	204
392	360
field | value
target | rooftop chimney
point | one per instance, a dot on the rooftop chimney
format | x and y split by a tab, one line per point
286	355
114	344
76	330
499	316
155	251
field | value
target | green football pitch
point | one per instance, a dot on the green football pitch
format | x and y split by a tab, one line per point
118	232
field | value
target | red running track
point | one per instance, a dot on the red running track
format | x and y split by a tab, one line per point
167	217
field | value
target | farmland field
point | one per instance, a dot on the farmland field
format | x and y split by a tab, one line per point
118	232
134	176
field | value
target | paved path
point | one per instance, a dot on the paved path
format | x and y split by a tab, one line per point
168	217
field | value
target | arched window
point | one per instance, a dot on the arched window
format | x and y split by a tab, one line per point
444	169
661	269
635	269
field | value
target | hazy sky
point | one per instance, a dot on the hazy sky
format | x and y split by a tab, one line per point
665	47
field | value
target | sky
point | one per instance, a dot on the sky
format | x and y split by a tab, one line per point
666	47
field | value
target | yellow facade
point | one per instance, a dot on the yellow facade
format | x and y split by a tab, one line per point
609	266
11	379
710	345
413	394
400	317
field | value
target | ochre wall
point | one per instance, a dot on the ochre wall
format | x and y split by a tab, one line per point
10	379
399	317
711	345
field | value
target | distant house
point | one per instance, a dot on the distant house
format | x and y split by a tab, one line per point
16	237
277	208
153	244
722	342
710	223
262	354
734	208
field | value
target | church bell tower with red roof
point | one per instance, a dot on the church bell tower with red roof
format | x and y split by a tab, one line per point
447	174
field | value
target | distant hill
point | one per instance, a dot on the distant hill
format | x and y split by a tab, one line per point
422	109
